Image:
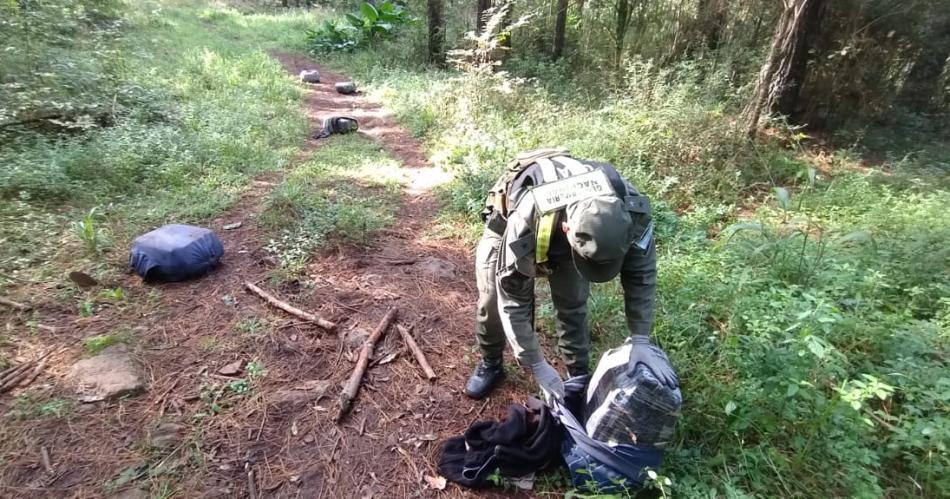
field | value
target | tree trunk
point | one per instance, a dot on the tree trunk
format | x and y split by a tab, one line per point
712	20
436	15
481	7
560	26
779	83
922	90
620	29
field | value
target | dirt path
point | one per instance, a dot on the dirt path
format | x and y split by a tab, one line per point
281	429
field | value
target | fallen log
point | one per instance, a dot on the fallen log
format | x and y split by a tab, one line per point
416	351
352	386
290	309
14	304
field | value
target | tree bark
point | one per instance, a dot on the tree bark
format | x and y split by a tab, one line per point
779	83
436	15
481	7
622	21
712	20
922	90
560	26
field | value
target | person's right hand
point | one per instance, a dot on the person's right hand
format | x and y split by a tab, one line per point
644	352
548	378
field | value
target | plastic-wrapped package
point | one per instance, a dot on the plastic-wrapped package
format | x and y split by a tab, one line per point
175	253
632	410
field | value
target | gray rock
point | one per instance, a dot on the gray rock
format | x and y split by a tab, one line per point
435	267
304	393
167	435
107	376
232	369
346	87
310	76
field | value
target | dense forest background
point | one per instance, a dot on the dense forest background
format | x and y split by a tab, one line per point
796	153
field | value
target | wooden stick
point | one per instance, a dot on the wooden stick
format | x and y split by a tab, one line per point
13	381
36	373
251	484
13	377
17	305
44	457
290	309
14	373
353	385
420	357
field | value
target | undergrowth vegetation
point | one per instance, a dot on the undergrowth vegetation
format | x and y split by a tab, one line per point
343	194
804	294
115	119
803	298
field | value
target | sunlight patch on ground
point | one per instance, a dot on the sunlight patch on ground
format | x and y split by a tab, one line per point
426	178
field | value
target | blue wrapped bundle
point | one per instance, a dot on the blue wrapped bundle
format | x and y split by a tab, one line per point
175	253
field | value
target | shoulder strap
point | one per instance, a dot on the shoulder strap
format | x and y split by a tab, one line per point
546	221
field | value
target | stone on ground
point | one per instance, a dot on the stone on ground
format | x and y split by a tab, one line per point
299	395
231	369
435	267
167	435
310	76
107	376
346	87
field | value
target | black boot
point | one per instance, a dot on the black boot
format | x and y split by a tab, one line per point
488	373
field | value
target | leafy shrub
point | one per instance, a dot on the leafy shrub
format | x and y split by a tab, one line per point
357	30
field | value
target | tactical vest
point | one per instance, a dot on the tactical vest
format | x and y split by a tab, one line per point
555	164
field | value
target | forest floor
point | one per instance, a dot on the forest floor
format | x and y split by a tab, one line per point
216	435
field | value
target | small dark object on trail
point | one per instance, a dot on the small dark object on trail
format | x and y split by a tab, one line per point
175	253
82	279
337	124
345	87
310	76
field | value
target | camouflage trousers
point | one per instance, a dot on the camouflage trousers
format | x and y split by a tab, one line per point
569	292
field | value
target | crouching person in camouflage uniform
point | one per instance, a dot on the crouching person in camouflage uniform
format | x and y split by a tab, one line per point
574	222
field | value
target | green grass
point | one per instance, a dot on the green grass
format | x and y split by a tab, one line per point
96	344
344	194
196	110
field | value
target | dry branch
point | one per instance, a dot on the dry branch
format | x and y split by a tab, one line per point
44	457
14	373
420	356
12	378
13	304
290	309
353	385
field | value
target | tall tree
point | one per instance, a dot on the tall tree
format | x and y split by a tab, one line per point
712	21
777	89
623	12
560	26
436	18
922	90
481	7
